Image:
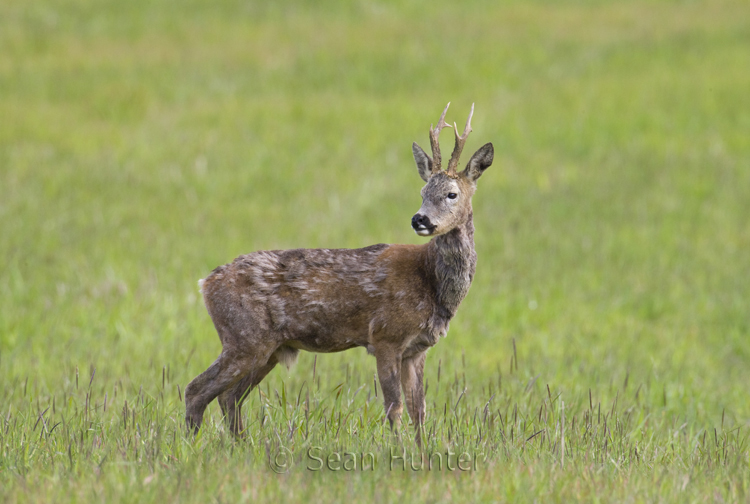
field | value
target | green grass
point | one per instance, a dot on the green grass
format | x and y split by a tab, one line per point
144	143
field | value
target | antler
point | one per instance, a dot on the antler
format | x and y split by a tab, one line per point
434	133
460	141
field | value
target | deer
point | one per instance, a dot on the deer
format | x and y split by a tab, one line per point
394	300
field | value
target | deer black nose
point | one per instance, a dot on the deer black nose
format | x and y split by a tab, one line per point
420	221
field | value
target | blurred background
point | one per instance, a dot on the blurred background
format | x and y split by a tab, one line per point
143	143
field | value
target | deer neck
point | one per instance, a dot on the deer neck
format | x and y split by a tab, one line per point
455	260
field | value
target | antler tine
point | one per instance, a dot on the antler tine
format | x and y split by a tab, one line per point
434	143
460	141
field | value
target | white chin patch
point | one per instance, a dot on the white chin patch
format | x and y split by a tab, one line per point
423	232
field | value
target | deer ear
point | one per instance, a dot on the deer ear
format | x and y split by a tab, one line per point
424	162
480	161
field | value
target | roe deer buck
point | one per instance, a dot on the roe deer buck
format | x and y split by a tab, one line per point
395	300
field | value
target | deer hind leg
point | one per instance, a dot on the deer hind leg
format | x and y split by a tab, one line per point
412	381
221	375
231	399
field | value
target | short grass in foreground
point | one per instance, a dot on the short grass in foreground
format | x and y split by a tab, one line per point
142	145
507	437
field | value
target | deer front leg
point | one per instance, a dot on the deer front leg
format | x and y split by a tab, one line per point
412	378
389	373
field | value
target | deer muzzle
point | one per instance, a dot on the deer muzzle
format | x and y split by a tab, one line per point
422	225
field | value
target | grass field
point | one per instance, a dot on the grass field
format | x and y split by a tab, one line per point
602	354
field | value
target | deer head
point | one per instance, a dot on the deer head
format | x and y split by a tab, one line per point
446	198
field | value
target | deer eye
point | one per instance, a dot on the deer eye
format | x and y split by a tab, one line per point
452	195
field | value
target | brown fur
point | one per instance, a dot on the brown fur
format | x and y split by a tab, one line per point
394	300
